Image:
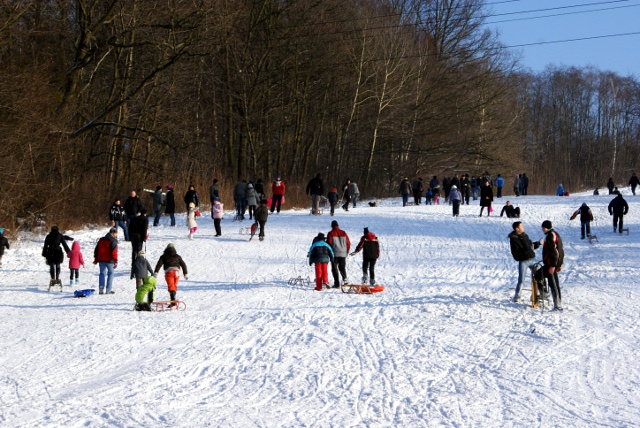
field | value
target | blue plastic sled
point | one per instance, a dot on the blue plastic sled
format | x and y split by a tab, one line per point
84	293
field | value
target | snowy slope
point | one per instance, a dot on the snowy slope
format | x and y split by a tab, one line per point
443	346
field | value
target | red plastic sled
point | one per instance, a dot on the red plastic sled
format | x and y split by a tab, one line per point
253	229
361	289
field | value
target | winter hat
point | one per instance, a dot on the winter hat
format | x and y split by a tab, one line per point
547	224
366	230
216	199
141	253
250	186
334	223
54	228
169	187
1	230
192	205
320	236
170	245
454	187
584	204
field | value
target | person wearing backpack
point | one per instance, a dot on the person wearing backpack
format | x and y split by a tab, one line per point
371	251
552	257
315	188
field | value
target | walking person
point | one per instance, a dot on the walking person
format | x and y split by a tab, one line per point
213	191
370	252
172	263
633	182
105	255
157	205
346	195
320	254
132	208
618	208
315	188
191	197
75	261
465	189
252	200
499	184
611	185
354	192
516	185
262	214
552	257
522	251
586	217
191	220
138	229
417	187
339	242
332	197
240	198
52	252
405	191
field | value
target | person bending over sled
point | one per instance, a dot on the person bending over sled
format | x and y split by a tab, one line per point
147	290
172	263
371	251
586	217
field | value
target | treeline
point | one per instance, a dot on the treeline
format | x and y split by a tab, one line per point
103	96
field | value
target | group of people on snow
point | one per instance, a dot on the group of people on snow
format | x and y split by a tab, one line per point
315	188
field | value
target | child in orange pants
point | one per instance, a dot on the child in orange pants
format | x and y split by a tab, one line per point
172	263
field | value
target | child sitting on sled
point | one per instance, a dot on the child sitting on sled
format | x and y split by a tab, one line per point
145	290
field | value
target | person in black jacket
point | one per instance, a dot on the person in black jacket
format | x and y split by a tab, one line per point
132	205
370	252
315	188
4	243
191	196
138	234
170	204
510	211
633	182
522	252
618	208
552	257
586	216
119	218
53	253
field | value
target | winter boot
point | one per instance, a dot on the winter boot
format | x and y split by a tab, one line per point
101	290
365	279
172	296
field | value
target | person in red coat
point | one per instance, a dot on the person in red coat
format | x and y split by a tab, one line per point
106	255
277	193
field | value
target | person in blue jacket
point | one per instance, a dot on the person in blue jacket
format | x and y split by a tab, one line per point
499	182
321	254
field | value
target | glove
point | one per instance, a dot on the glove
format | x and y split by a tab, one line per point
186	278
541	241
95	262
115	265
559	269
352	254
155	274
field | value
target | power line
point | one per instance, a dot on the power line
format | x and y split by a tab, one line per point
574	40
562	14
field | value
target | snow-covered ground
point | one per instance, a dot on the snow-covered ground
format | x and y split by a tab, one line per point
443	345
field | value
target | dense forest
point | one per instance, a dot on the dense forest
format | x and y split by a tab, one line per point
99	97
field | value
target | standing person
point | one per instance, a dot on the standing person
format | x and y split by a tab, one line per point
552	257
260	189
75	261
106	256
370	252
486	197
618	208
138	228
516	185
240	198
132	206
499	184
332	197
191	220
524	181
633	182
171	261
170	205
277	194
446	187
262	214
339	242
474	188
346	195
417	187
434	184
320	254
157	205
405	191
522	252
586	216
191	196
118	218
252	199
140	269
4	243
315	188
217	209
53	253
560	190
455	197
465	188
213	191
611	185
354	192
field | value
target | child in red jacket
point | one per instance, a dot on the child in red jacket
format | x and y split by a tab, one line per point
75	261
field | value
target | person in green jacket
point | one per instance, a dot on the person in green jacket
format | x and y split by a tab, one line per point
147	290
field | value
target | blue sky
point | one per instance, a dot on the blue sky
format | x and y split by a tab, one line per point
619	54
